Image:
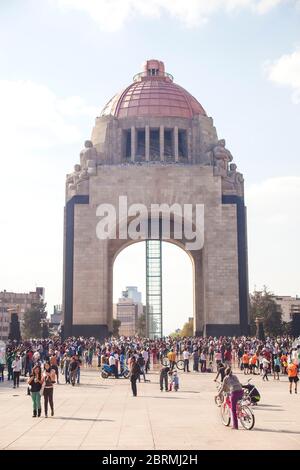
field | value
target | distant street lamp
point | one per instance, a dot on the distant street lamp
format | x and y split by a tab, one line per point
260	333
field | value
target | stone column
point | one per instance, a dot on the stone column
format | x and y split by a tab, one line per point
161	143
133	143
189	144
176	143
147	143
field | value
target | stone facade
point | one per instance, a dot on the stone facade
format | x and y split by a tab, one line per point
127	156
17	302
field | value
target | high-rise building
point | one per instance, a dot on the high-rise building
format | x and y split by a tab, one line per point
128	309
132	293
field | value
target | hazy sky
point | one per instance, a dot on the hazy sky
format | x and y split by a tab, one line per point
62	60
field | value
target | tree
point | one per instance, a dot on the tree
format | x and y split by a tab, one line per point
188	328
295	325
264	307
35	321
141	325
116	326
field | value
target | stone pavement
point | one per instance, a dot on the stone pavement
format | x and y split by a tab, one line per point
102	414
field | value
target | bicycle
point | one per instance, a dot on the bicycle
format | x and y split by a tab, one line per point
178	364
244	413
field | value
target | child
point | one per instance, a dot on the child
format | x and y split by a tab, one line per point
174	381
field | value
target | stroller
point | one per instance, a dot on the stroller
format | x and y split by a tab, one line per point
251	394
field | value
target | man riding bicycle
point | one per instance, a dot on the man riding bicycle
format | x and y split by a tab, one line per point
232	384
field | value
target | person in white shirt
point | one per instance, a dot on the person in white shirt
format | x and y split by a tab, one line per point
16	367
112	364
146	359
266	365
186	358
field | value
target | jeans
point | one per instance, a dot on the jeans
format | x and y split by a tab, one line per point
10	373
78	375
133	386
142	372
235	397
36	401
163	379
48	398
2	372
16	378
186	365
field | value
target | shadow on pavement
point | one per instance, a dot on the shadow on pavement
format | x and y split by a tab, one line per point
277	430
72	418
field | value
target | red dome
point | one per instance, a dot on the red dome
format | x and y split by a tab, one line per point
153	93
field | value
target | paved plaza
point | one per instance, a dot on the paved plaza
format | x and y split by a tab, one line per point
102	414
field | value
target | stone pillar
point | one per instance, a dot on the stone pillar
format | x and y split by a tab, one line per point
176	143
133	143
147	143
260	333
161	143
189	145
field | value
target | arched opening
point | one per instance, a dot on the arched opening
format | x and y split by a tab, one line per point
129	270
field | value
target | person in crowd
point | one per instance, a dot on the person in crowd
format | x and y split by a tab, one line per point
174	381
232	384
35	383
16	367
134	375
49	380
186	359
266	367
195	356
245	362
73	370
292	371
79	364
54	366
220	372
172	358
163	377
141	363
112	364
276	367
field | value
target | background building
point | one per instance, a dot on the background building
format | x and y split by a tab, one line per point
132	293
128	309
288	306
56	317
18	302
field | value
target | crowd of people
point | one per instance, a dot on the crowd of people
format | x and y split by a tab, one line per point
47	361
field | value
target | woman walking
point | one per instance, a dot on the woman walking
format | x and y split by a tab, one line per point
35	382
48	390
134	375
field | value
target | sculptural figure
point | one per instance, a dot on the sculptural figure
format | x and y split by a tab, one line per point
221	158
88	153
234	180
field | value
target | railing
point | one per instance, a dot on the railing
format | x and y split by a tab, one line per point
140	75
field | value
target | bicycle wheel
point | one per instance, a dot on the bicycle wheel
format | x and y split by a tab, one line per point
246	417
180	364
225	414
